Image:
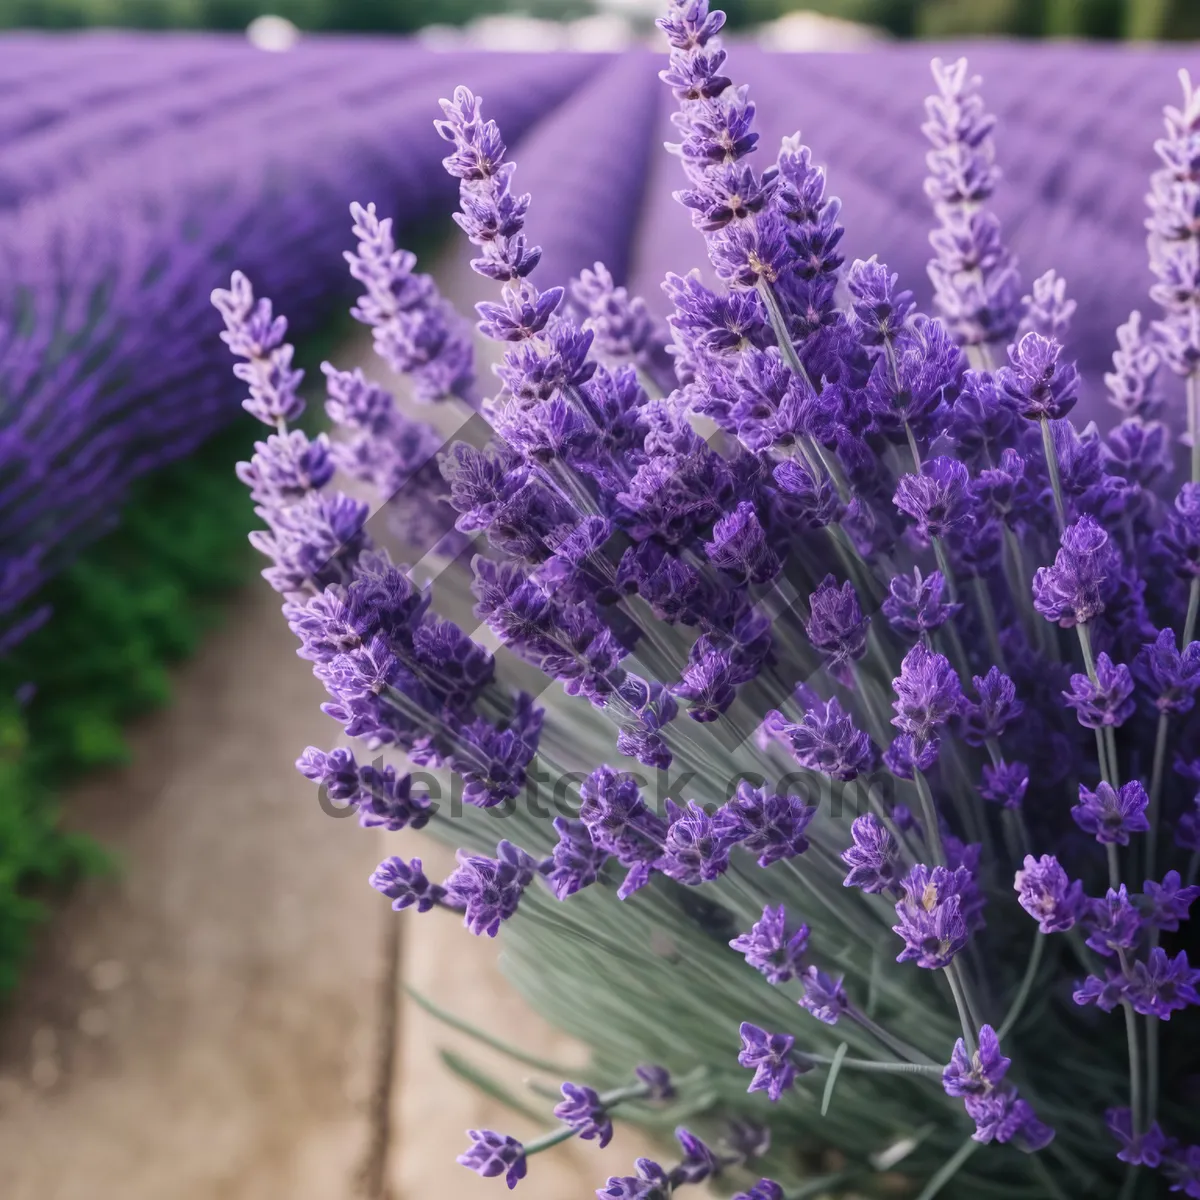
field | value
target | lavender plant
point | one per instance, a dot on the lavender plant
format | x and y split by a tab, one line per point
864	753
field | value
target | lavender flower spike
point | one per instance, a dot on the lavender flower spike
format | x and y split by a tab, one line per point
252	332
416	332
1174	240
974	276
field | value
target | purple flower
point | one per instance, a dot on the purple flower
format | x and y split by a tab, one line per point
1111	815
979	1072
416	332
657	1080
769	948
650	1183
906	755
1005	783
770	1055
836	625
404	883
1182	1168
914	603
1162	985
928	693
769	825
1144	1149
1001	1116
698	1162
1108	701
1136	361
1173	242
824	996
873	859
1048	310
813	499
1179	540
490	889
974	276
826	740
1046	893
908	390
1113	923
1037	381
689	25
1104	993
996	708
1171	677
764	1189
739	547
580	1108
254	333
576	861
696	849
931	918
1187	829
494	1154
879	310
938	499
286	466
523	313
616	816
1168	901
746	253
1083	578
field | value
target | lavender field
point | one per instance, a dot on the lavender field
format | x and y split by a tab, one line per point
137	171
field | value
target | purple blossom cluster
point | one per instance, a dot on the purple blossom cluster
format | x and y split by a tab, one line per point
1029	685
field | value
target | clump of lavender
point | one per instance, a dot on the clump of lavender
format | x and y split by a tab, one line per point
866	758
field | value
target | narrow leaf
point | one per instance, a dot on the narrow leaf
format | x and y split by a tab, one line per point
835	1069
483	1082
486	1039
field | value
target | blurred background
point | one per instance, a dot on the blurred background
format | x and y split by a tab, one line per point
200	997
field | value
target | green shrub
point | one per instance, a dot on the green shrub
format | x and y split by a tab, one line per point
133	603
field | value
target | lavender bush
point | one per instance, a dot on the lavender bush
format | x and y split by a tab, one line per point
862	768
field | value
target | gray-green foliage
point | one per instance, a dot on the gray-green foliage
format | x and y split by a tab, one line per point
653	978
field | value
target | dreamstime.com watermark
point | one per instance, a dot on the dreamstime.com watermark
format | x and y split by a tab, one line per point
546	795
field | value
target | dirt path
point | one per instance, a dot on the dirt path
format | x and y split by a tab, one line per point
199	1026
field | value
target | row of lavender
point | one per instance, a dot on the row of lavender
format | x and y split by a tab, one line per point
129	182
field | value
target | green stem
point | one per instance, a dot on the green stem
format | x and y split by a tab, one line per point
1135	1067
949	1169
554	1138
1193	610
1055	480
867	1064
788	350
1031	970
933	834
960	1002
913	448
943	563
988	612
1156	779
895	1044
1114	867
1189	624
